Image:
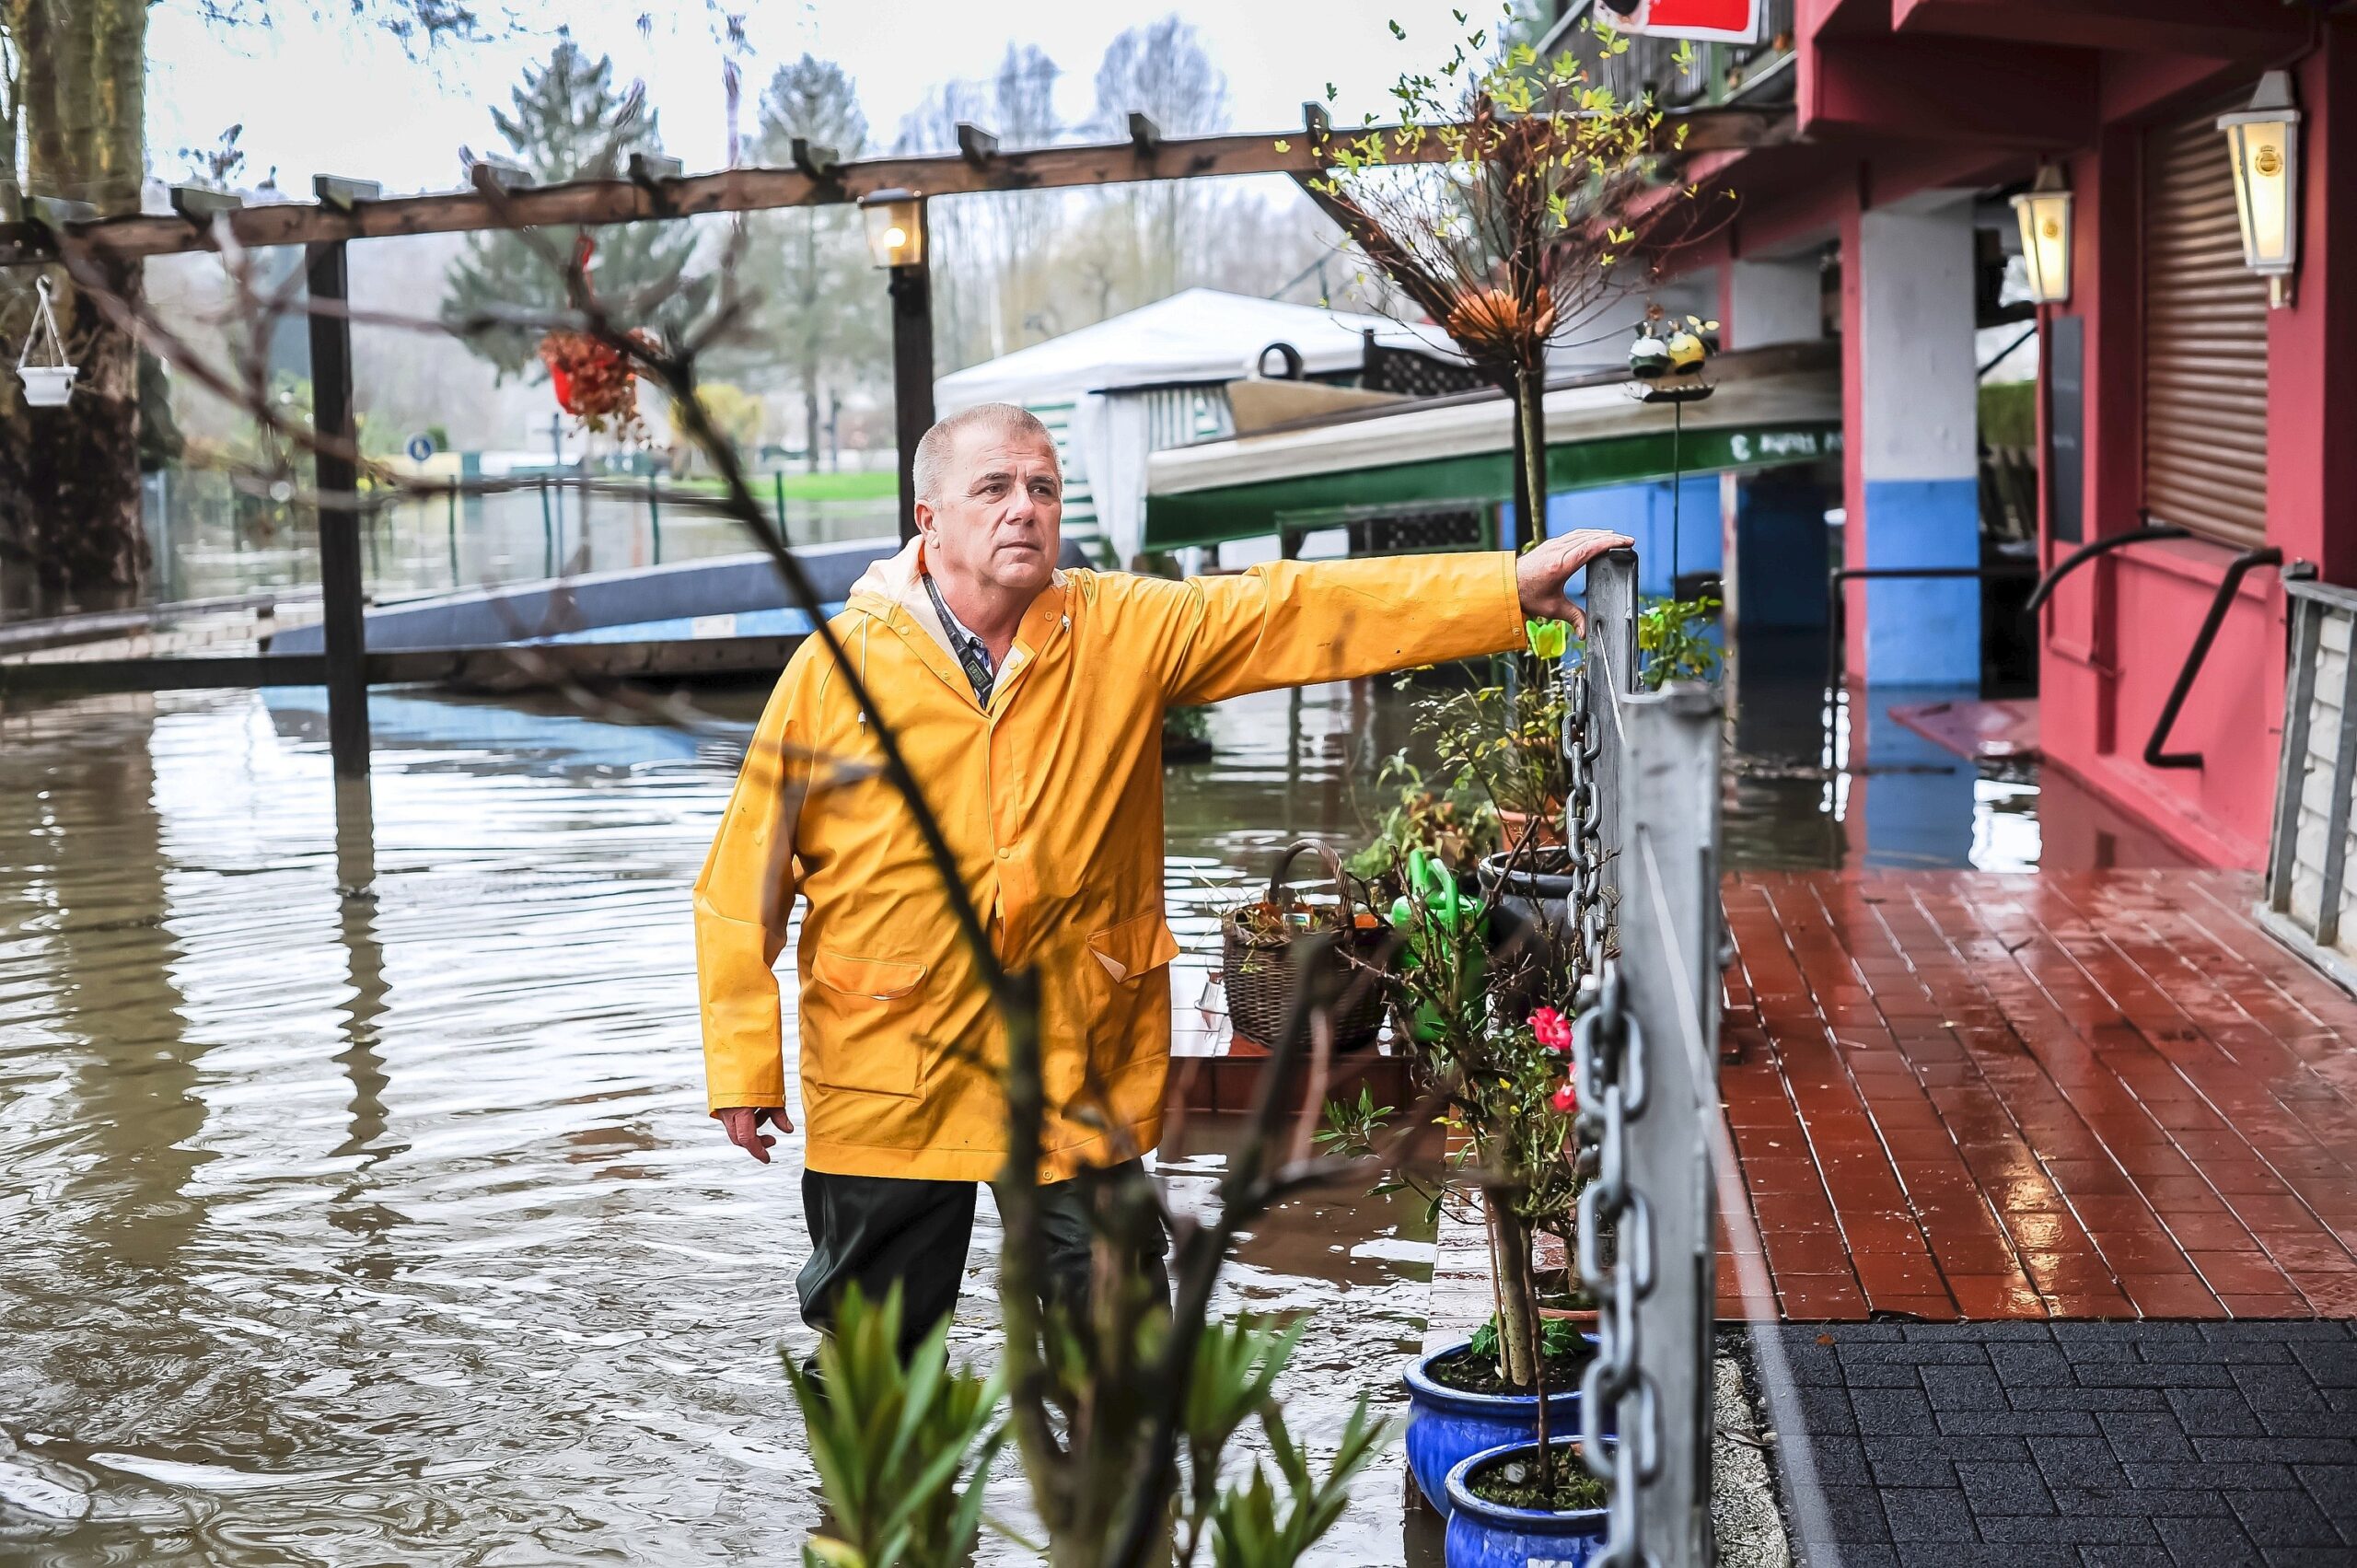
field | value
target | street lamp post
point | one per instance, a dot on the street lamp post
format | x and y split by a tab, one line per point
896	239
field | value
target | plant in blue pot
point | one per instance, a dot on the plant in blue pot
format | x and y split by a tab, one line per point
1502	1078
1510	1510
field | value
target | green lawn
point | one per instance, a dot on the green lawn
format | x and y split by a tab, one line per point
802	486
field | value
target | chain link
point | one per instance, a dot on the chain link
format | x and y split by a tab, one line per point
1608	1064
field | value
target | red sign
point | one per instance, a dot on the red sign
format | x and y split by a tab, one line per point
1722	21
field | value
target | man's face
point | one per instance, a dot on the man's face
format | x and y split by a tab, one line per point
1000	518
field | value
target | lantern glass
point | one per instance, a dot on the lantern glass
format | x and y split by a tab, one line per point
2263	141
2045	218
895	222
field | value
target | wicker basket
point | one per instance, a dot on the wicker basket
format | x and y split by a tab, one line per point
1257	974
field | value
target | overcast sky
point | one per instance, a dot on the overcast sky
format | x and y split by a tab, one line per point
335	98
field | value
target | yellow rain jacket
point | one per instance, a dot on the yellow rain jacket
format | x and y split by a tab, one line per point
1051	800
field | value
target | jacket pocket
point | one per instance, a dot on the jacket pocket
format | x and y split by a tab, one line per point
858	1028
1134	947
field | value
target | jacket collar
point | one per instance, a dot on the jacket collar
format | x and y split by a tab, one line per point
895	583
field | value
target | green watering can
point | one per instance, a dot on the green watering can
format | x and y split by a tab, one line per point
1447	920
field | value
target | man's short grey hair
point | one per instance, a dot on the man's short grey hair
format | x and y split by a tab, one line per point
931	466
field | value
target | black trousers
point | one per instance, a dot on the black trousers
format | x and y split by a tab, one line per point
881	1230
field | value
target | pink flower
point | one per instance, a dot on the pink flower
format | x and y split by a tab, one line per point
1554	1030
1566	1100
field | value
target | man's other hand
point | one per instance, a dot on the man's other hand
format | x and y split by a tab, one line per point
1542	570
743	1125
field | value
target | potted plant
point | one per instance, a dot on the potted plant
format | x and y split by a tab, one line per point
1509	1510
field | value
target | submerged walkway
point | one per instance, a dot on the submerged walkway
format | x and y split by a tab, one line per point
2101	1095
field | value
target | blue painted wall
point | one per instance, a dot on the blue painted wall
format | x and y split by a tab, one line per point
1922	633
1782	551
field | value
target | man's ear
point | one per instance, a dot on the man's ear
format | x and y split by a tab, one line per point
925	517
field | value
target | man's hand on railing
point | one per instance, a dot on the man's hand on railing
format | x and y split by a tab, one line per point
743	1125
1543	570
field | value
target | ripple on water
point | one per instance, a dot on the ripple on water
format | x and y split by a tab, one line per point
360	1198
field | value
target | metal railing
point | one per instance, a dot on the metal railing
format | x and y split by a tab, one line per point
2307	900
1642	822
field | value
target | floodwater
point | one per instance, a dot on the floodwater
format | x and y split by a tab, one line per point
359	1199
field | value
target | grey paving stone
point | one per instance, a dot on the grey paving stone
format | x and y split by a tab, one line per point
2005	1489
2018	1424
2072	1527
2283	1518
1991	1333
2318	1451
2332	1365
1927	1513
2077	1461
1813	1364
2113	1555
1885	1373
1914	1352
1868	1554
2334	1487
2144	1331
2147	1436
2153	1375
2031	1365
1908	1465
2305	1556
1892	1412
1964	1388
1957	1555
2080	1352
1839	1460
2221	1477
1825	1410
2309	1423
2226	1352
2278	1331
2208	1543
2068	1396
1868	1333
2152	1503
1855	1514
2214	1412
2279	1387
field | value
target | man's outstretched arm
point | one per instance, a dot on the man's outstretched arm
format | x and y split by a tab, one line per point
1288	624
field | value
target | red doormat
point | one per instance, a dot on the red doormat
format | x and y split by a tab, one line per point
1997	731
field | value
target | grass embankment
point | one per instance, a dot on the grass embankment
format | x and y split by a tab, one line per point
805	486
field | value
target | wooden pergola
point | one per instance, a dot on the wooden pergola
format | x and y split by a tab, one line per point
653	190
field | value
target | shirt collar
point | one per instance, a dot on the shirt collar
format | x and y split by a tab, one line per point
956	628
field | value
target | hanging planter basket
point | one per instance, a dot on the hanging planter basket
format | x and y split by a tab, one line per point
594	382
1256	968
48	378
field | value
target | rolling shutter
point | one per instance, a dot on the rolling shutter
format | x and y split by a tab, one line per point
2205	343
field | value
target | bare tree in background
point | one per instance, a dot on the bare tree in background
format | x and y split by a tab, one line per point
819	308
71	530
1162	71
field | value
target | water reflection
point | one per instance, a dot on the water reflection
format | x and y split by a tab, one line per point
361	1201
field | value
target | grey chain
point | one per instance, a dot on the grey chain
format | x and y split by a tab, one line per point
1609	1066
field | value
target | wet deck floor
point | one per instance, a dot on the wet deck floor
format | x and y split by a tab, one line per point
1959	1094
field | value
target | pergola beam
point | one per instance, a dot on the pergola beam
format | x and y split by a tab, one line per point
592	201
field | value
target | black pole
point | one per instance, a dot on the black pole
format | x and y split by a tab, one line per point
344	630
1526	526
911	367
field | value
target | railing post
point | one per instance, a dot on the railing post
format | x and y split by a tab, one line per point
1669	928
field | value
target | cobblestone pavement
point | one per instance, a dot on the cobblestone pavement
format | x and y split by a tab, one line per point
2077	1444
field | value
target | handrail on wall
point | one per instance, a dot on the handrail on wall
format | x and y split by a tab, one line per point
2236	570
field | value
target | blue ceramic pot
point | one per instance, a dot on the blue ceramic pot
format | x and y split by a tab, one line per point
1490	1534
1446	1427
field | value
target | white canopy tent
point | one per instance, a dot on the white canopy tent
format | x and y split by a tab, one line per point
1155	376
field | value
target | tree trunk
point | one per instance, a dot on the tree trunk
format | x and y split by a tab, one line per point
1509	1266
71	531
1529	390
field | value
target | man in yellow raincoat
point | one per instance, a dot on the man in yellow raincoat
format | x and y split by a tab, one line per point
1029	701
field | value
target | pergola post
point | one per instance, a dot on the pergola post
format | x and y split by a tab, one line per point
336	478
913	366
